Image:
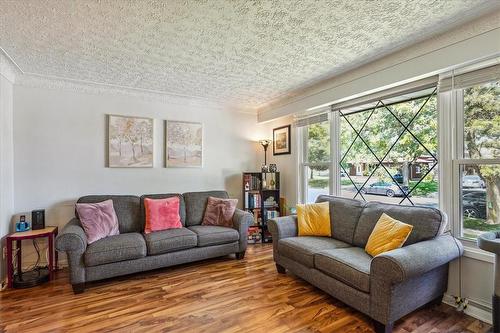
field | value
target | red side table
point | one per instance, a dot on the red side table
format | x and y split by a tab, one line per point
49	232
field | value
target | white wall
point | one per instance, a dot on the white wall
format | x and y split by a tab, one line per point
6	153
60	148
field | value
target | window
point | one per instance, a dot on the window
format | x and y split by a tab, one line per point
389	151
479	158
316	162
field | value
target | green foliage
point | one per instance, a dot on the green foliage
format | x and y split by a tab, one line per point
482	137
318	183
424	188
318	145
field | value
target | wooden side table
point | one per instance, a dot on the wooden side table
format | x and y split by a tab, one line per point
49	232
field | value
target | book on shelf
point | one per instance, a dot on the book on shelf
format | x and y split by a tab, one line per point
251	182
271	214
252	200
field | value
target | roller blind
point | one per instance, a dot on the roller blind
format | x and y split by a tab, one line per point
483	75
317	118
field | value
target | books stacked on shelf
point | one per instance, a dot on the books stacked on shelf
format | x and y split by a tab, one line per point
252	182
252	200
254	235
271	214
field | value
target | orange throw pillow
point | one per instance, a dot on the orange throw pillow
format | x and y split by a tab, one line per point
162	214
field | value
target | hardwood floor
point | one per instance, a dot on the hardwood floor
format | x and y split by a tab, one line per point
220	295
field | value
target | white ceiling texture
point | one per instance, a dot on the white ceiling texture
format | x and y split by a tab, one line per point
246	53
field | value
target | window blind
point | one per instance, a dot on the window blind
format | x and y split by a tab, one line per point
472	78
317	118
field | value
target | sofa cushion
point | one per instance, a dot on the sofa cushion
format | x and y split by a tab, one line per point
182	205
126	208
214	235
344	216
302	249
349	265
196	202
170	240
115	248
427	222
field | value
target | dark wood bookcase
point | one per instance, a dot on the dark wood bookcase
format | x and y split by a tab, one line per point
261	197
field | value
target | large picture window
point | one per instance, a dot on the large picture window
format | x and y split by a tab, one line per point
389	151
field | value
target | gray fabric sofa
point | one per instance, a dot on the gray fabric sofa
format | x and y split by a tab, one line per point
133	251
385	287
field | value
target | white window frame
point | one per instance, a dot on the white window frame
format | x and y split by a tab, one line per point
456	132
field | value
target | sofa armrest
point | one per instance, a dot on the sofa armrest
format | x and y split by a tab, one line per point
72	238
413	260
283	227
241	221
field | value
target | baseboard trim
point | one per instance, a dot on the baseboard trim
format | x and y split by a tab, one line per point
473	309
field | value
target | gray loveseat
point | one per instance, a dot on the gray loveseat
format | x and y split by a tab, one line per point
385	287
133	251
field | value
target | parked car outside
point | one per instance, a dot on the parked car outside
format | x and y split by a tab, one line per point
473	181
384	188
398	177
474	204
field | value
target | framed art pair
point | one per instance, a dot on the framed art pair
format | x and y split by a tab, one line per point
131	142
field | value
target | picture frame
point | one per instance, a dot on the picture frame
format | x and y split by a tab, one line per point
130	141
183	144
282	140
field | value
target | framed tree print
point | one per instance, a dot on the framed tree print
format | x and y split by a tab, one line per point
184	144
281	140
130	142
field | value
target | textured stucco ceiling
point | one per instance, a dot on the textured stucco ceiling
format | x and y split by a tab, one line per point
242	52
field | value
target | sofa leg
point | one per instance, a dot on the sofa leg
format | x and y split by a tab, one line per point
240	255
78	288
280	269
381	328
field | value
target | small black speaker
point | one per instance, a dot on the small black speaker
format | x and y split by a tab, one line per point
38	219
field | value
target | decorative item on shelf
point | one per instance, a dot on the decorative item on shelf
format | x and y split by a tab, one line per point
282	140
265	143
272	184
273	167
22	224
264	168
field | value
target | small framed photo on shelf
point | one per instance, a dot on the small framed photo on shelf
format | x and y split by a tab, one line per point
281	140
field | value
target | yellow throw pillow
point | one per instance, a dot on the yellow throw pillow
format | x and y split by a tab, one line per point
314	219
388	234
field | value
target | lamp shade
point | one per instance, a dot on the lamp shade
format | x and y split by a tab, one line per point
265	142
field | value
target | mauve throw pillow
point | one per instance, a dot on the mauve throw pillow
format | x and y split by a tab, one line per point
162	214
98	220
219	212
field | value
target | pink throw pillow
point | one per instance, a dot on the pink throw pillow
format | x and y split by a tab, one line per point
162	214
219	212
98	220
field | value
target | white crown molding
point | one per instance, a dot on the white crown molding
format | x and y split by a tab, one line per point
31	80
8	68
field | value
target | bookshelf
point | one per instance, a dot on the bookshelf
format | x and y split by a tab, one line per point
261	197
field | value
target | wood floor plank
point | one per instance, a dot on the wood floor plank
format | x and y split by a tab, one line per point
219	295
